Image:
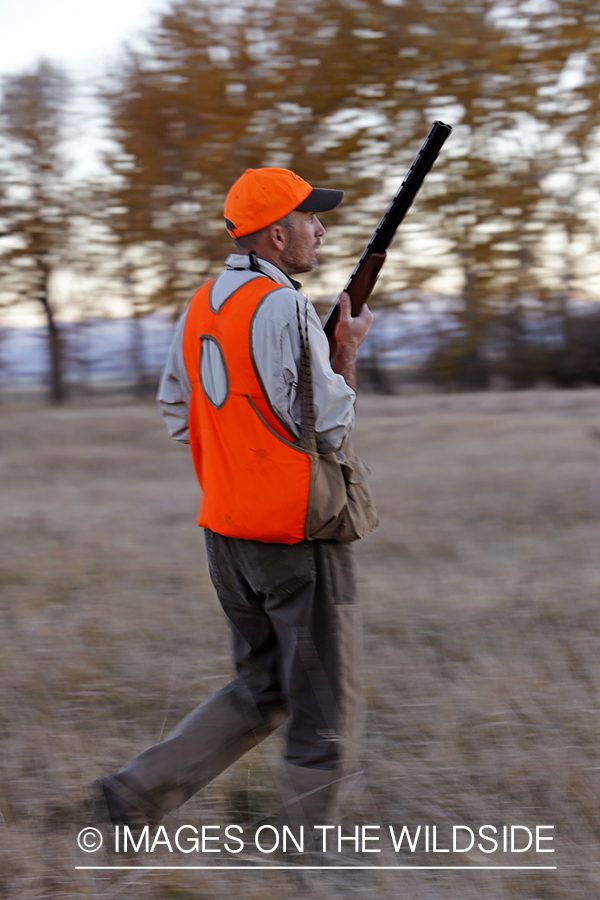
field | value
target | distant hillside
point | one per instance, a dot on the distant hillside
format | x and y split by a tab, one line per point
533	345
100	351
97	351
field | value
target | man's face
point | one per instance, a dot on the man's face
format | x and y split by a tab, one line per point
302	252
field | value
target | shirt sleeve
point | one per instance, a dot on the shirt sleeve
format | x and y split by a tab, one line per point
276	349
174	389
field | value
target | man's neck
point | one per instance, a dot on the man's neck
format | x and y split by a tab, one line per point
267	266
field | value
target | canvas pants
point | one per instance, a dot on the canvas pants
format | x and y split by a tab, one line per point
296	643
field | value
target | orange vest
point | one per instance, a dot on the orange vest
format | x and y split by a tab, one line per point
255	481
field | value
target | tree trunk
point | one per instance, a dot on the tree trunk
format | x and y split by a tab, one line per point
55	349
142	385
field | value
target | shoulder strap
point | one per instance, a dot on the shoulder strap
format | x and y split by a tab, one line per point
307	423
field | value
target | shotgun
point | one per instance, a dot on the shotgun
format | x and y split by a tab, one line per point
364	276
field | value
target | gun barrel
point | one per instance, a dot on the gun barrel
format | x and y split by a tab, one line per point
406	193
389	222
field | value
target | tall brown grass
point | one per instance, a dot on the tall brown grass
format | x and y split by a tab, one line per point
482	628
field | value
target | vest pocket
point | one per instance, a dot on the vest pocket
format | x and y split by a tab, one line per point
341	506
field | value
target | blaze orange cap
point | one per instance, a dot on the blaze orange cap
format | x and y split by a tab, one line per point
262	196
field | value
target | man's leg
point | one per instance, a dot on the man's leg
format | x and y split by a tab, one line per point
231	722
209	740
294	621
321	764
312	657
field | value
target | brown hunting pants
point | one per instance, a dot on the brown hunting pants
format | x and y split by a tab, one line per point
296	643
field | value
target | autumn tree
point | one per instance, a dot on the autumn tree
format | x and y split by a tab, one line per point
222	89
34	201
513	202
344	92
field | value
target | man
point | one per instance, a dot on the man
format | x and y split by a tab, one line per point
232	389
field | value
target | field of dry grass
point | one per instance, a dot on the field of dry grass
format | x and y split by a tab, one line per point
482	629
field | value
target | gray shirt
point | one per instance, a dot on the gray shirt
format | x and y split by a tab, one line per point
276	351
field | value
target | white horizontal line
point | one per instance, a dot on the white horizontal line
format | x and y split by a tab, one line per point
325	868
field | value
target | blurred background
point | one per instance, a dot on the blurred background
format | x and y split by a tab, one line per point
122	125
115	159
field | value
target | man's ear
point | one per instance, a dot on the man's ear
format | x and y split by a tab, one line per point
279	236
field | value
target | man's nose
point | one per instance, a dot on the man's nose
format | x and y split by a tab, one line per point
319	230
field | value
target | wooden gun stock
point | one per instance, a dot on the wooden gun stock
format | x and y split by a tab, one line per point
364	276
359	290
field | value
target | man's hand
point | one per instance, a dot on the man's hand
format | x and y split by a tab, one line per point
350	331
349	334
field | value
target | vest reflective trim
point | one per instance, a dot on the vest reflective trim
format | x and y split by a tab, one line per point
255	481
213	371
217	296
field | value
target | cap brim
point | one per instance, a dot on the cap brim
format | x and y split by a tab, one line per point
321	200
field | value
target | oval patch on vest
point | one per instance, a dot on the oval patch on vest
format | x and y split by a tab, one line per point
213	372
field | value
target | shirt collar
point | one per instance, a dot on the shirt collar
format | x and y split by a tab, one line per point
241	261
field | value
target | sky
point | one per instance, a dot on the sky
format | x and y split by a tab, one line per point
84	38
80	35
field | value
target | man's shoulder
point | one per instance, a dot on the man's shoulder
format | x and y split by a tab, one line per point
279	305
